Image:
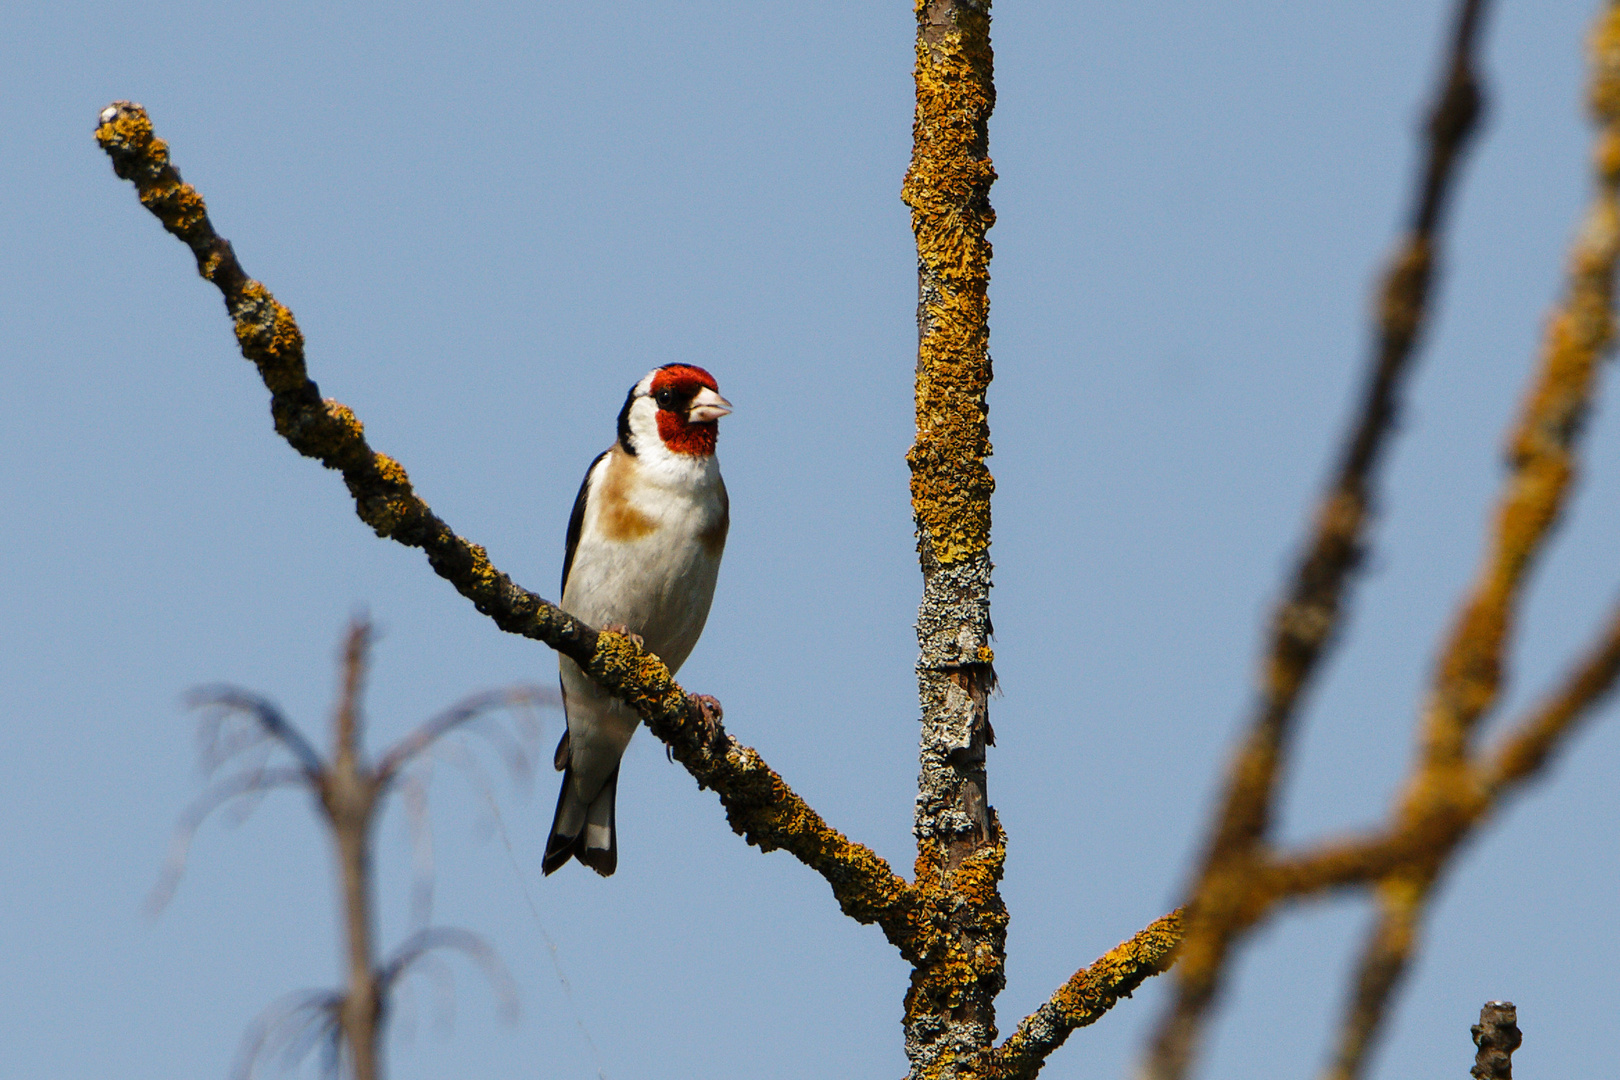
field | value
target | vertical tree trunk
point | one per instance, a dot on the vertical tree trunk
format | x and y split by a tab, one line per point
361	1011
349	795
950	1010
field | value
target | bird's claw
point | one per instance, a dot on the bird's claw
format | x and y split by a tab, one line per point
708	714
624	631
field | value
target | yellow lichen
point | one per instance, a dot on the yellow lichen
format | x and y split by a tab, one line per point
389	471
947	189
343	417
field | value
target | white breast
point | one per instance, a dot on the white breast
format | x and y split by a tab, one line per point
649	549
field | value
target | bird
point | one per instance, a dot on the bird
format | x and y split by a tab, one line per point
642	557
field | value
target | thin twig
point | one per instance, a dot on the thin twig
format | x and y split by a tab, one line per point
400	754
1532	740
350	792
250	782
289	1030
263	712
1384	958
465	942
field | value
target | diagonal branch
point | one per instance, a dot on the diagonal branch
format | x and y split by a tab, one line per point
1384	958
247	782
228	699
470	945
1089	993
759	805
1533	740
400	754
1305	621
1451	790
1542	448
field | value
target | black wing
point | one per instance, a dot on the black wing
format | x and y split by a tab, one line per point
576	522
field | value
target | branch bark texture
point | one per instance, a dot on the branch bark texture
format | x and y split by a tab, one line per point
1496	1035
1088	994
950	1011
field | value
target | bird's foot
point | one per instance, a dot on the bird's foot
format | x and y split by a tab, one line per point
708	714
620	628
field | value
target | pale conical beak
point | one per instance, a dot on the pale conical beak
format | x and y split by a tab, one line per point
706	406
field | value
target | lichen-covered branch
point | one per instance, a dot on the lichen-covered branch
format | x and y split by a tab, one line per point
759	805
1541	449
950	1010
1531	741
1305	621
1384	958
1453	788
1088	994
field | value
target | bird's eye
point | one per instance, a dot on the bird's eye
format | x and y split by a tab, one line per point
664	398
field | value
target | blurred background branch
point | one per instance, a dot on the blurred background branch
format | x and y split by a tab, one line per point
350	793
1453	786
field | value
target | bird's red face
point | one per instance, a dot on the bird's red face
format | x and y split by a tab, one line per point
689	408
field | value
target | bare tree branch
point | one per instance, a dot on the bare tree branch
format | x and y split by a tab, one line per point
421	838
759	805
1089	993
230	700
349	794
1541	457
1388	950
465	942
1534	739
1451	790
400	754
250	782
1305	621
287	1031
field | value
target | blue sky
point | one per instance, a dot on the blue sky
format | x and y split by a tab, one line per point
490	222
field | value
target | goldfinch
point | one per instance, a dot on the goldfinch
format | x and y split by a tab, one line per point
644	546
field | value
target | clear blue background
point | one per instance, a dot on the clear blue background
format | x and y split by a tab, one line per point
490	220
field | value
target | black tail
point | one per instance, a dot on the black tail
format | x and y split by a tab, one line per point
587	832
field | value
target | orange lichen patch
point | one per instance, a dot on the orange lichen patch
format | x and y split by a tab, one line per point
1604	53
1094	990
947	189
642	679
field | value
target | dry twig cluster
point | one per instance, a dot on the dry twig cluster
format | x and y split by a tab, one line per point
349	791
